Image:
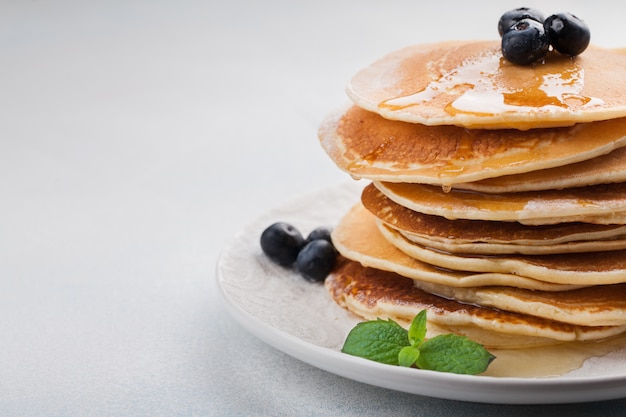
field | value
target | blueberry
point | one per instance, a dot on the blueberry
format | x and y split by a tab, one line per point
316	260
282	242
508	19
319	233
568	34
525	43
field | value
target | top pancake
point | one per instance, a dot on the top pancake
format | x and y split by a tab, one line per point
470	84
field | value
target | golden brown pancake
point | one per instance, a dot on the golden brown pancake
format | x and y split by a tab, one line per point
358	238
599	170
371	293
488	237
365	145
585	268
599	204
600	305
470	84
491	248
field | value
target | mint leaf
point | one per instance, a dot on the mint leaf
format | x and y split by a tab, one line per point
417	330
408	355
388	342
452	353
378	340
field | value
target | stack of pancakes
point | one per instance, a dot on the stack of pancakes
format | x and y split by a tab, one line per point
497	198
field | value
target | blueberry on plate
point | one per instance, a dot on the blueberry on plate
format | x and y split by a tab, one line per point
319	233
282	242
316	260
508	19
525	43
567	33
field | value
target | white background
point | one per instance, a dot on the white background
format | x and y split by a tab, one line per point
136	137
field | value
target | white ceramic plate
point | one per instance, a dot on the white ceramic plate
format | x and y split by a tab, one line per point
298	318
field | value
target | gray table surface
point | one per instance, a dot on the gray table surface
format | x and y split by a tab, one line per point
136	137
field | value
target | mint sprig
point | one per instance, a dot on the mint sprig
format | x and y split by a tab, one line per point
387	342
377	340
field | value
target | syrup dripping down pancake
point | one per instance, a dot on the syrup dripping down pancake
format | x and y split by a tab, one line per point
470	84
605	169
366	145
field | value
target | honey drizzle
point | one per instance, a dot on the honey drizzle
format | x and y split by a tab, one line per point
465	160
481	86
371	157
550	361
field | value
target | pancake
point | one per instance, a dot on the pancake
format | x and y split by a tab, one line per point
469	84
366	145
498	200
603	169
357	237
584	269
488	237
488	249
599	204
600	305
372	293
